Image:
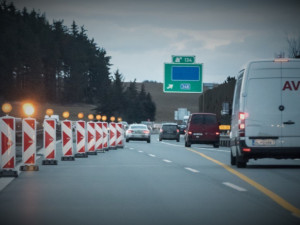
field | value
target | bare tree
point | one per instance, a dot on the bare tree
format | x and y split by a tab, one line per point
294	47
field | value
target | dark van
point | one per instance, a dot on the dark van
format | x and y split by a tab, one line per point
202	128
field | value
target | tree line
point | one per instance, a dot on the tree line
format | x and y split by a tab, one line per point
54	63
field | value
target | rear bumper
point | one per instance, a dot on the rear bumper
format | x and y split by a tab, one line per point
269	152
203	139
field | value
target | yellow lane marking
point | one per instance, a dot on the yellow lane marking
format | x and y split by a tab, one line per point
279	200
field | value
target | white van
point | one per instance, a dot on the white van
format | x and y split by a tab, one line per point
266	111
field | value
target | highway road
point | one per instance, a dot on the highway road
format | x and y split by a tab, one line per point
157	183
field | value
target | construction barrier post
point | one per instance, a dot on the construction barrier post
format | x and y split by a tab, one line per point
105	136
91	138
8	147
80	139
49	142
120	135
67	141
99	136
29	145
112	135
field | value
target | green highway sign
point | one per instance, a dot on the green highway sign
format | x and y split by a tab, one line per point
183	59
183	78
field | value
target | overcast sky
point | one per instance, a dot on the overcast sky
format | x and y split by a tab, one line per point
141	36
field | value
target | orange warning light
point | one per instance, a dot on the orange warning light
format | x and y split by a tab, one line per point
90	116
112	119
49	112
104	118
80	115
119	119
98	117
6	108
66	114
28	109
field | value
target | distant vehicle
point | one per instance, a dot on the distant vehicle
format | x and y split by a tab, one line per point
202	128
266	111
125	125
138	132
169	131
182	128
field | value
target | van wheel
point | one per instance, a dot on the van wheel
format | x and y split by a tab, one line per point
232	159
178	140
160	139
216	145
187	144
240	161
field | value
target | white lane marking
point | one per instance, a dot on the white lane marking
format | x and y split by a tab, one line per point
131	148
192	170
152	155
166	143
211	149
167	161
238	188
140	151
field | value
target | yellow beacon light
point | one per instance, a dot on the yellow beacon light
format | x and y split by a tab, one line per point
66	114
90	116
6	108
112	119
104	118
119	119
49	112
80	115
28	109
98	117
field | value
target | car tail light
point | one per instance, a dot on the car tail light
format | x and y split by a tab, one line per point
281	60
177	130
161	130
129	131
242	117
190	132
146	131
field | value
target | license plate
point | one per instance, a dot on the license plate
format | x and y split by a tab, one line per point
263	142
198	134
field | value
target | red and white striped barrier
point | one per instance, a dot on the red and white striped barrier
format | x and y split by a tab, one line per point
91	138
49	142
105	136
67	140
80	139
8	147
120	135
112	135
29	145
99	136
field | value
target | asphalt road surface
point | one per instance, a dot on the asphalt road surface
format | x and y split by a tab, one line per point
157	183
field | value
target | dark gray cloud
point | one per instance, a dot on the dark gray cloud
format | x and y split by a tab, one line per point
221	34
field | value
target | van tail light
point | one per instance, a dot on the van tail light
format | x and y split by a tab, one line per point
190	133
246	149
242	117
177	130
161	130
217	133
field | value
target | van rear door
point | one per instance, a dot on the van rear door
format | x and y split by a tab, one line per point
262	101
291	103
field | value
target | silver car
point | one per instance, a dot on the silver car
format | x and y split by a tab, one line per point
138	132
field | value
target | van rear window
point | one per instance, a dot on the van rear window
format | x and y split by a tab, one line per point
204	119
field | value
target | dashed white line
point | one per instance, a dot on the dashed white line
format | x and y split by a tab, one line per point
152	155
140	151
192	170
238	188
131	148
167	161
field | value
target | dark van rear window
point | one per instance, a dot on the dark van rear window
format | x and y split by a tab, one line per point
204	119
